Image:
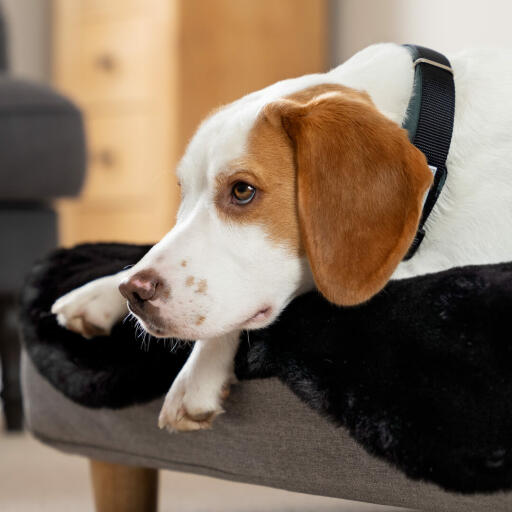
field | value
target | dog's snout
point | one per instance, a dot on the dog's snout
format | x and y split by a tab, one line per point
141	287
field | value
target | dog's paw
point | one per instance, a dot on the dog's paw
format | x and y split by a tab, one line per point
92	309
188	407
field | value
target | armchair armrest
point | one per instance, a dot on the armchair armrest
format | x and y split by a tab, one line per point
42	142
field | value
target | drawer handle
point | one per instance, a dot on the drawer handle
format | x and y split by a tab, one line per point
104	158
106	63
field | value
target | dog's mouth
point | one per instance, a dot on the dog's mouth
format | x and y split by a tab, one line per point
149	323
150	319
260	318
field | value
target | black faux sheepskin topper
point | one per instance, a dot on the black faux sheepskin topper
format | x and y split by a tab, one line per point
421	375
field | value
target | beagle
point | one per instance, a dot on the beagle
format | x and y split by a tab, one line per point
310	182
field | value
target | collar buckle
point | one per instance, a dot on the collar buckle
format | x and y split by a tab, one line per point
422	60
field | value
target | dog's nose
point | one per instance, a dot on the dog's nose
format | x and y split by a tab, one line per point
139	288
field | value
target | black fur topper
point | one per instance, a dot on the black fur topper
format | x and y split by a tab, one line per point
421	375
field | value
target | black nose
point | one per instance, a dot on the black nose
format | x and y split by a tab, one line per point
141	287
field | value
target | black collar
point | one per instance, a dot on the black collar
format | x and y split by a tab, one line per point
429	121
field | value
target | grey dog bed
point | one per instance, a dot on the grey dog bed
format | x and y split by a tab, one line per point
420	375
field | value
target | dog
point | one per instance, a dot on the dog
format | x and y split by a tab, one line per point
310	182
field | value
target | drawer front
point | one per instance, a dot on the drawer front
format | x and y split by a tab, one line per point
111	63
122	159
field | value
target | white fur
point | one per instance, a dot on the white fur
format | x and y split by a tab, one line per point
99	302
197	391
245	272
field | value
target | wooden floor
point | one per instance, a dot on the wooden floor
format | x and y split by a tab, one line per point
34	478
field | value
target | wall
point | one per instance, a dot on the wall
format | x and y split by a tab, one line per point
29	30
444	25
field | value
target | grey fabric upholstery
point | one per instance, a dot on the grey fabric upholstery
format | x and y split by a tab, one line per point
42	156
42	151
28	232
267	437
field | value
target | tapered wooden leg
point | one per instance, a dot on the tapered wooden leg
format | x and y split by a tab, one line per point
119	488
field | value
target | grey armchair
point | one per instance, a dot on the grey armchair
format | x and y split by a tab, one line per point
42	156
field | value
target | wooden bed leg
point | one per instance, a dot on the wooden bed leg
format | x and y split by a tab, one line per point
119	488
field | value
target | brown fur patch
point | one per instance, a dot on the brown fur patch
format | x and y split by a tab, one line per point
269	165
202	286
184	263
189	281
336	179
360	189
200	319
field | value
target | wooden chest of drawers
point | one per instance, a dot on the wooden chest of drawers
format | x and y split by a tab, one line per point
144	73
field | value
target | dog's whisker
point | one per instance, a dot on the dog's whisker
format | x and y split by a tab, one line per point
127	318
147	340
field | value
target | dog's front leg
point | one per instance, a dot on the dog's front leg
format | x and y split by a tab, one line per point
196	395
92	309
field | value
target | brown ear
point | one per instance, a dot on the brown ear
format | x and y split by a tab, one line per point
361	185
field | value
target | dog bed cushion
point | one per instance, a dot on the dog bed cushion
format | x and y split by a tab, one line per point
420	375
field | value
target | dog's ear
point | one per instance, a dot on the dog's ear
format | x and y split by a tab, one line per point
360	186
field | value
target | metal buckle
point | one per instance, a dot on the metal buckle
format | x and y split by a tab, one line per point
421	60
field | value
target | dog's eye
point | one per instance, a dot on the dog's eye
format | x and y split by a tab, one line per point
242	192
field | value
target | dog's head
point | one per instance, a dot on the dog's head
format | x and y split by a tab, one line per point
315	188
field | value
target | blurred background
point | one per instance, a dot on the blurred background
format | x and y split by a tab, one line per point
97	101
145	72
